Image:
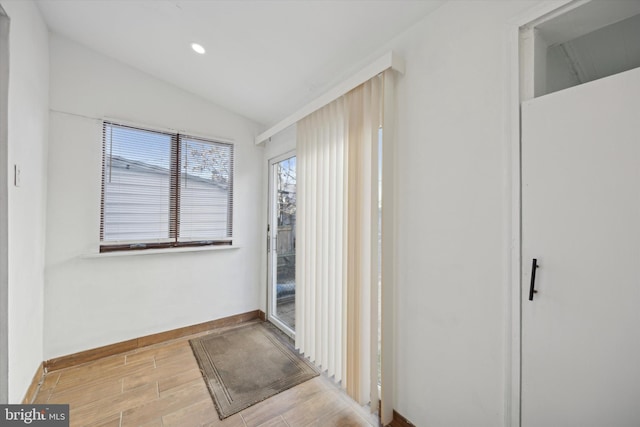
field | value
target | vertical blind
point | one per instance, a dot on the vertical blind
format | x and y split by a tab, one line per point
337	250
321	232
163	189
365	120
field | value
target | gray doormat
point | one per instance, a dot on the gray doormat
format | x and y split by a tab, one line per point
248	364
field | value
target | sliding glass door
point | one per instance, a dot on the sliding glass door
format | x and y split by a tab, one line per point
282	243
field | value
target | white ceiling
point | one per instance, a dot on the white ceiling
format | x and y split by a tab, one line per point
265	58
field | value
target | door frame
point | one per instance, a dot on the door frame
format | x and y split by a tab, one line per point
4	207
271	241
519	85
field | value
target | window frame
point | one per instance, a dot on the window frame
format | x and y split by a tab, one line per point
173	241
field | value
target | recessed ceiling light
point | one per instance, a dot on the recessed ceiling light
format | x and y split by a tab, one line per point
198	48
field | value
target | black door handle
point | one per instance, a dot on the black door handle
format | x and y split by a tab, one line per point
534	267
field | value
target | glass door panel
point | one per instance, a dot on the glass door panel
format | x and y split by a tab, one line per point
282	245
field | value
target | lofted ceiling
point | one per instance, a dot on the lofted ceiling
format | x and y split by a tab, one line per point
265	58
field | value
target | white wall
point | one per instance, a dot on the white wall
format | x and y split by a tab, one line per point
27	137
451	216
453	207
91	302
280	143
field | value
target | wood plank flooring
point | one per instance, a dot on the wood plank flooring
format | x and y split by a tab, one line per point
161	385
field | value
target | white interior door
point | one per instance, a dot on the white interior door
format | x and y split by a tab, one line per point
581	221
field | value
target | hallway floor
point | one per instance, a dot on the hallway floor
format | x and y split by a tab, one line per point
162	386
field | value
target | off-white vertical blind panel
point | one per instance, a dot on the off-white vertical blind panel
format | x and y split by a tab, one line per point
320	250
365	103
337	251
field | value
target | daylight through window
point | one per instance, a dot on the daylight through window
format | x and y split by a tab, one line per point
164	190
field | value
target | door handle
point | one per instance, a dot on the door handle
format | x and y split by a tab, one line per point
534	267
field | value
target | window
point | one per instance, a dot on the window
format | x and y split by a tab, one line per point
163	189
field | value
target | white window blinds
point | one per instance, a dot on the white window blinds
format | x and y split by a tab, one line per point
162	189
206	189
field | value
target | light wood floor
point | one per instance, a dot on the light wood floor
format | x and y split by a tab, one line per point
162	386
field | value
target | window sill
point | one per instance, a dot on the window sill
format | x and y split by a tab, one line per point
159	251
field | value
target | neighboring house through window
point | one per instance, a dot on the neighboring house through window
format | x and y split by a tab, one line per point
162	189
